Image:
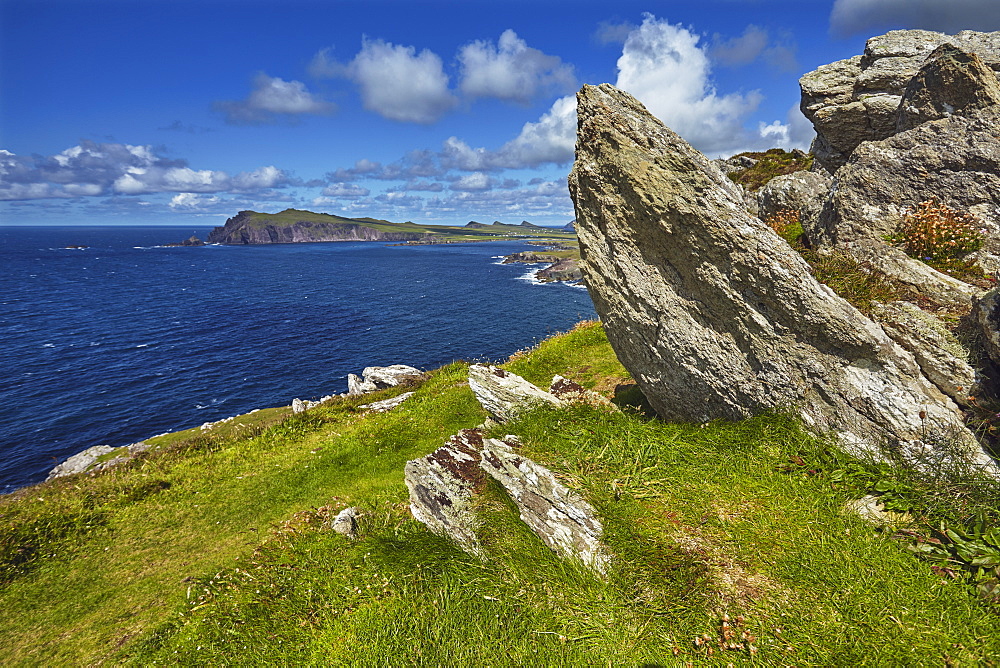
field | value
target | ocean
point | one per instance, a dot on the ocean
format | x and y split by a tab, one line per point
126	339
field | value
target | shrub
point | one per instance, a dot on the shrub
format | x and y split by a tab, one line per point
787	224
939	235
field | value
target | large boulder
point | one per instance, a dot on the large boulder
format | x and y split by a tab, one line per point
375	378
715	316
802	192
858	99
955	160
951	81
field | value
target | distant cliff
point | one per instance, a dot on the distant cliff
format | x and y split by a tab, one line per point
295	226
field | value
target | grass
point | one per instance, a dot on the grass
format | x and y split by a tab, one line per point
771	163
730	545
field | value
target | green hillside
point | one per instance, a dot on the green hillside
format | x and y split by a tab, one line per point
730	543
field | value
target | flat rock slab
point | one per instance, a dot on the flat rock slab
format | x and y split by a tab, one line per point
558	515
443	486
503	394
715	316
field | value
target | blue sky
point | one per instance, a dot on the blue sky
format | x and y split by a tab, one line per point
180	112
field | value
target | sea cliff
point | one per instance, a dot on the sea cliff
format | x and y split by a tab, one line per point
292	226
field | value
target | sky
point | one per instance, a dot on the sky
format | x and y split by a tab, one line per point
173	112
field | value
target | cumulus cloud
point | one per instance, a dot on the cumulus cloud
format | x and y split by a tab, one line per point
400	84
850	17
473	182
345	191
91	169
665	68
191	202
273	98
511	70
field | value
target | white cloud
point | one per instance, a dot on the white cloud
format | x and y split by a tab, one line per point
191	202
511	70
663	66
400	84
92	169
849	17
345	191
473	182
271	97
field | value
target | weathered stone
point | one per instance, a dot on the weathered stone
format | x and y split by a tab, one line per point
955	160
987	312
856	100
559	516
714	315
298	406
387	404
443	486
570	391
871	509
940	355
381	377
803	192
346	522
503	394
950	82
393	375
881	258
81	462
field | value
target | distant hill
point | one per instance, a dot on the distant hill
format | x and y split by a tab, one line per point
299	226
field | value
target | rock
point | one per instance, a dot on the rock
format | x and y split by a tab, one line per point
81	462
564	269
443	486
951	81
715	316
381	377
298	406
929	283
503	394
804	192
987	312
858	99
559	516
872	509
955	160
941	357
346	522
387	404
570	391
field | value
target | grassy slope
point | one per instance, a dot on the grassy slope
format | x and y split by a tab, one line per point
217	551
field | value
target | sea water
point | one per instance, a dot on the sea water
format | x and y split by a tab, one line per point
126	338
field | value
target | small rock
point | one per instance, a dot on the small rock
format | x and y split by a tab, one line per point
570	391
80	462
298	406
346	522
872	509
503	394
387	404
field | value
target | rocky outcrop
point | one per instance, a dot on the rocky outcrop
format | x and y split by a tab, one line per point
858	99
565	269
803	192
955	160
249	227
950	82
443	486
505	395
375	378
715	316
941	357
564	521
96	458
987	315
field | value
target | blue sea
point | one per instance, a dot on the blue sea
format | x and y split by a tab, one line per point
126	339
